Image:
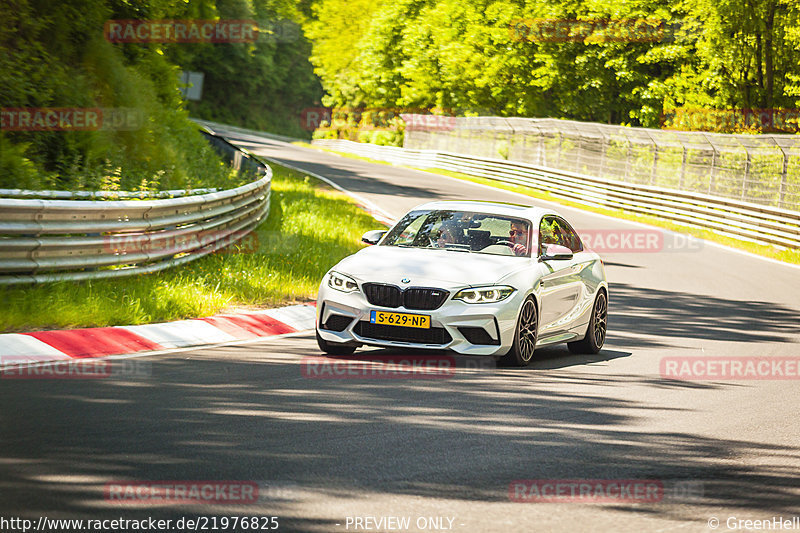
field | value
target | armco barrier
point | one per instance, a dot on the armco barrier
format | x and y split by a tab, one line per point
44	239
743	220
761	169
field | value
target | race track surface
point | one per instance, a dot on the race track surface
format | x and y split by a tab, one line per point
323	450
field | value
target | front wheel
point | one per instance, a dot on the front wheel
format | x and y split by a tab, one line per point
596	332
333	348
524	344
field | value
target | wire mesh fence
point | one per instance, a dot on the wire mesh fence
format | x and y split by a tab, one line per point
763	169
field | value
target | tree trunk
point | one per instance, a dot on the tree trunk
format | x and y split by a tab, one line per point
768	53
759	70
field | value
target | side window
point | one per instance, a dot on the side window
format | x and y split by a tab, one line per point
554	230
568	237
548	232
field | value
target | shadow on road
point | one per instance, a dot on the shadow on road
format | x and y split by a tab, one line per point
644	313
242	413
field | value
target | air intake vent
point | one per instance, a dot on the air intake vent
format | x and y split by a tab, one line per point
477	336
337	322
401	334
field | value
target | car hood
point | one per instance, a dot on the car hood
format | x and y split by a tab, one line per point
428	267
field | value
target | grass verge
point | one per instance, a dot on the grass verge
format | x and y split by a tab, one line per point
772	252
310	227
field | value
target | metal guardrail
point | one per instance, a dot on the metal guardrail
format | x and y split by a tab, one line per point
43	240
762	169
213	127
743	220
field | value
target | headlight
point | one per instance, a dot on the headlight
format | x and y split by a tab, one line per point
343	283
484	295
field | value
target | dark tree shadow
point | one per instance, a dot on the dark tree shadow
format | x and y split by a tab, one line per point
243	413
642	312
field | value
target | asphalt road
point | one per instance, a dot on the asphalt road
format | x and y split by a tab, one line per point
324	450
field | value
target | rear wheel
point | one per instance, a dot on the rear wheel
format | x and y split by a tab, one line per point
334	348
596	332
524	344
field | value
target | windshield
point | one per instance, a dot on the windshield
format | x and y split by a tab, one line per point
462	231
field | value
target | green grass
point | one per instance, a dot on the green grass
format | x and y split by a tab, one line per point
773	252
310	227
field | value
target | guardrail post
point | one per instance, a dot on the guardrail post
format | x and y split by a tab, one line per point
603	147
655	164
711	182
784	175
541	155
628	158
683	170
746	172
560	143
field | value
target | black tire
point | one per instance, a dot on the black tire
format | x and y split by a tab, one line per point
596	330
525	335
333	348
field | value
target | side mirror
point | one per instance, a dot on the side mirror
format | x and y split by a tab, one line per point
556	252
372	237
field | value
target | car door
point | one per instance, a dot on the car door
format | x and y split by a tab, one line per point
561	286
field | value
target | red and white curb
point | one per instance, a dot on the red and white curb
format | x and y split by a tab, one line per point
43	346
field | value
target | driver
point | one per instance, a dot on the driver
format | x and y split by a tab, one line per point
518	236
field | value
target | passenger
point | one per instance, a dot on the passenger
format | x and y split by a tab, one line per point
447	235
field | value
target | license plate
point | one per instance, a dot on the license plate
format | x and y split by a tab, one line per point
400	319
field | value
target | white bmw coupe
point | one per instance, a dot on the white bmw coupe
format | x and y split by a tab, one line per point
477	278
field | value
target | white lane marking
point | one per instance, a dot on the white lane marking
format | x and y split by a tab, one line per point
181	333
377	213
24	348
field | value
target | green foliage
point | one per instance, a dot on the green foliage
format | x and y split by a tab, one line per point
470	56
53	53
263	85
56	56
381	137
338	30
376	126
16	170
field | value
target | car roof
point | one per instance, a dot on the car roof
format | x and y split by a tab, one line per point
498	208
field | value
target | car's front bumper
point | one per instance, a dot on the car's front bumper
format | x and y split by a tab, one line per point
455	317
